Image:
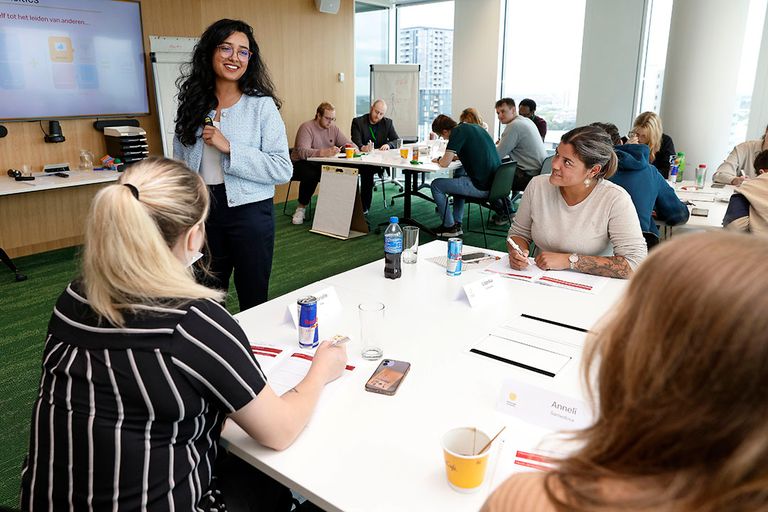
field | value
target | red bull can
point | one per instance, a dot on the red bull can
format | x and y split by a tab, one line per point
453	267
308	335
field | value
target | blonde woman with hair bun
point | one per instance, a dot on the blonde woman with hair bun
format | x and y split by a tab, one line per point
142	365
647	129
677	375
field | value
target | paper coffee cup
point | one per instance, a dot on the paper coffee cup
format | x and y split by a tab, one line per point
349	152
404	153
464	466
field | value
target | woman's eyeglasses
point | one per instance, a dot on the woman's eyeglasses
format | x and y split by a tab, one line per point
226	51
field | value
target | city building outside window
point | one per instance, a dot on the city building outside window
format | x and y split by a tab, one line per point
425	37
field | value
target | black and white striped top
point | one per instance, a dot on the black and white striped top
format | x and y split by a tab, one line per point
130	418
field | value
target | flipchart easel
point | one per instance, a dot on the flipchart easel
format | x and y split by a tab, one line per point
339	210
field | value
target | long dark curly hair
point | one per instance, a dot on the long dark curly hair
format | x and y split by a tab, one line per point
197	83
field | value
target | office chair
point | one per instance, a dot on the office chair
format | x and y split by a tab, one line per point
500	189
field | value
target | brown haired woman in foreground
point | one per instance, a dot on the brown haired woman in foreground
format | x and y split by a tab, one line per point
680	376
141	365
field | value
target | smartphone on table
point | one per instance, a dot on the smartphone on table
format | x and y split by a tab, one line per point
388	377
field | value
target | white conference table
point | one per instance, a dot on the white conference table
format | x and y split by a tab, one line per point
391	158
368	452
715	200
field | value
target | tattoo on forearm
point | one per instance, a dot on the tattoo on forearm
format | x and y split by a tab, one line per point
606	266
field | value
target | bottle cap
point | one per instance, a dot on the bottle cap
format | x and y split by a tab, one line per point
393	220
680	153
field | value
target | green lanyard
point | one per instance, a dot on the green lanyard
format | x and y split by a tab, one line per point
372	135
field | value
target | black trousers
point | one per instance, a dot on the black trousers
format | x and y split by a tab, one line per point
308	174
367	174
241	239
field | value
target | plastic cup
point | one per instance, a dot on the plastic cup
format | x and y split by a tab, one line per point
701	177
372	330
404	153
349	152
464	465
410	244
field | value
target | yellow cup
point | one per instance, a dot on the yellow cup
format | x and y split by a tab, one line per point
404	153
463	466
350	152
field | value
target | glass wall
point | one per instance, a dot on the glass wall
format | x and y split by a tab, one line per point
371	47
425	37
753	36
542	58
657	38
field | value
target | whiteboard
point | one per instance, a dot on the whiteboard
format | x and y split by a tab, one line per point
167	55
398	85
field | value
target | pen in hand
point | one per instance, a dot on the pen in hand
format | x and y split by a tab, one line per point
515	246
339	340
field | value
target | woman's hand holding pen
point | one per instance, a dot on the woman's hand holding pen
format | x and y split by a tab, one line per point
518	258
213	137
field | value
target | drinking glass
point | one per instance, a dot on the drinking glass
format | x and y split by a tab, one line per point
372	329
410	244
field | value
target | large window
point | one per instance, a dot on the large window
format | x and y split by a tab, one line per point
657	38
371	47
425	37
753	36
542	58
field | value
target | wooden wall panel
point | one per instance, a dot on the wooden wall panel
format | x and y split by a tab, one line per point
303	48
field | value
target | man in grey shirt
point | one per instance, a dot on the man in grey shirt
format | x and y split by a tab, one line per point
522	142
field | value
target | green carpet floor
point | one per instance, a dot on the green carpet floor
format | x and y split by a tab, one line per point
300	258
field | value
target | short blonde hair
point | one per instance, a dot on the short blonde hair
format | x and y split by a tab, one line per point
679	371
127	259
650	122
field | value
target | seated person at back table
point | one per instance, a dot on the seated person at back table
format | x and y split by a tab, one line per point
647	129
574	216
748	207
741	159
477	153
676	375
319	137
648	190
528	109
522	142
472	116
372	131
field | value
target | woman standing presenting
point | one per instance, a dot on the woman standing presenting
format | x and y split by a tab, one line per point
229	131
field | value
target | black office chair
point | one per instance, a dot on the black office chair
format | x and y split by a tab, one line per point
500	190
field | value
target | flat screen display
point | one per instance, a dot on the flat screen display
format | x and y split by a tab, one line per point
71	58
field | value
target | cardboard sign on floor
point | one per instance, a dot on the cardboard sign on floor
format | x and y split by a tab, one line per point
339	210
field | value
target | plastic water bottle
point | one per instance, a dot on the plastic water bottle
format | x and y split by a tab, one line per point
393	249
673	170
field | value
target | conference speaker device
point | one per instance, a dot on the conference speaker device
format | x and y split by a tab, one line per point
54	132
328	6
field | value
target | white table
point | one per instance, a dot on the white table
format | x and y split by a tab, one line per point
48	181
391	158
713	199
368	452
49	212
